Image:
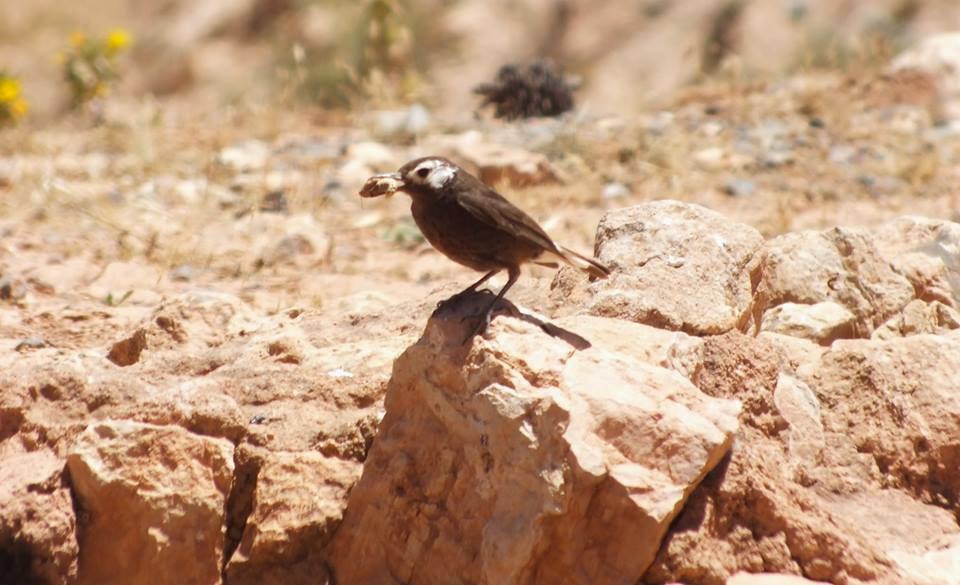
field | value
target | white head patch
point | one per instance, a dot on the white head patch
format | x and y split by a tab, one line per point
438	172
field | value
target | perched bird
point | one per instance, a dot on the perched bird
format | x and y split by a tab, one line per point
473	225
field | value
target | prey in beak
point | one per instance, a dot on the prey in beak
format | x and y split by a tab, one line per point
382	184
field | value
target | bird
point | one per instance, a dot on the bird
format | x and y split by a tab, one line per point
475	226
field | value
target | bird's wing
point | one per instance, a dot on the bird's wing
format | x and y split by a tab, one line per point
494	210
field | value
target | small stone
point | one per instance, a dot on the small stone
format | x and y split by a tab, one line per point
500	163
287	249
709	159
182	273
615	191
739	187
11	290
249	155
400	123
777	158
842	154
31	343
126	352
372	154
274	202
418	119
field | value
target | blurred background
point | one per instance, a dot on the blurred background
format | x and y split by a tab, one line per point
628	55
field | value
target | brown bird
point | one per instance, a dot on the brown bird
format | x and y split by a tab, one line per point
473	225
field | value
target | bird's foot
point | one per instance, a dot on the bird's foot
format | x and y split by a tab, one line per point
480	328
451	301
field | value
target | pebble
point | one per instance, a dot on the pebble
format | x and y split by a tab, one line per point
32	343
249	155
740	187
615	190
182	273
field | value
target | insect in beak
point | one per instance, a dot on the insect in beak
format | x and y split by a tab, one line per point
382	184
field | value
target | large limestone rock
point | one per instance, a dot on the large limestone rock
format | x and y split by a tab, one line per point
900	279
831	444
526	458
298	501
926	252
838	266
897	403
38	542
153	499
675	266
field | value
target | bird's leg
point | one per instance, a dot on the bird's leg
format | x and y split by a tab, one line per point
467	290
513	275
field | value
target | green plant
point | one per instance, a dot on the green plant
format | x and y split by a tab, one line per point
90	66
113	301
381	53
13	107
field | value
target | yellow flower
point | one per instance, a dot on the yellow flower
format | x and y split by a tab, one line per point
9	89
78	39
116	41
19	108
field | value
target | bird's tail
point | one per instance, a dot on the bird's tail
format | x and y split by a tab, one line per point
591	266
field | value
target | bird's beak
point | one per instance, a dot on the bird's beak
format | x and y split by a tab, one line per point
383	184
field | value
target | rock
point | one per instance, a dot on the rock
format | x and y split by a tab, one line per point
939	56
495	163
183	273
841	266
287	250
244	241
739	187
672	350
38	542
402	124
32	342
126	352
154	499
371	154
907	385
362	160
615	191
297	504
799	407
822	456
919	317
819	322
11	289
927	253
715	158
519	443
275	202
198	320
659	248
246	156
710	159
770	579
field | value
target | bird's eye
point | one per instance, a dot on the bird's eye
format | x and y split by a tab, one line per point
422	173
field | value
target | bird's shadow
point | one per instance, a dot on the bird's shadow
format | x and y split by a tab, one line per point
470	306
